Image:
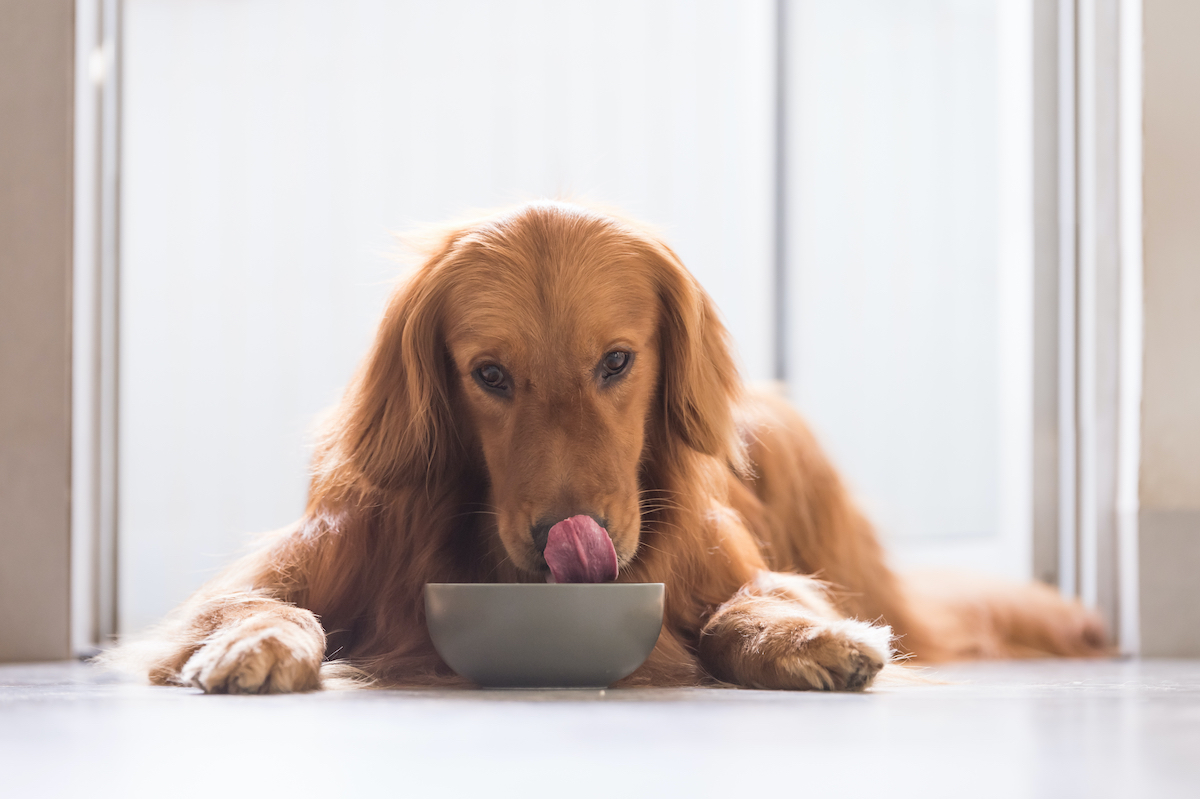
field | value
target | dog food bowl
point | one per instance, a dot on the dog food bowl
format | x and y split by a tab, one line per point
569	635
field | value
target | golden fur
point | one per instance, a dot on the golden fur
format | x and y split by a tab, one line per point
423	475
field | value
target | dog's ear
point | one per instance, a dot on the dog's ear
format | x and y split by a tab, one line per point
700	388
394	425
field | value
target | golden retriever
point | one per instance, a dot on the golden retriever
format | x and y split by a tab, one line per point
552	396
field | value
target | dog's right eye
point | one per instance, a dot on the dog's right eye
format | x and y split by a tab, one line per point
492	376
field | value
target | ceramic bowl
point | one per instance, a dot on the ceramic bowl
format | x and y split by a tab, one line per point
518	635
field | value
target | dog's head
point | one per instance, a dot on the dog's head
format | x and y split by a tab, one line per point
562	350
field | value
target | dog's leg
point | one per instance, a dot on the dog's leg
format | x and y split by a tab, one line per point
244	643
781	631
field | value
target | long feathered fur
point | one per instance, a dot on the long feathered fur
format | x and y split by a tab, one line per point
738	507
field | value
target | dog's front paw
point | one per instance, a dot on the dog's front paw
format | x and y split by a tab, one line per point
259	655
772	642
838	656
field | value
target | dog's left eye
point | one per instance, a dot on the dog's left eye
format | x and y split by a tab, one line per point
614	363
492	377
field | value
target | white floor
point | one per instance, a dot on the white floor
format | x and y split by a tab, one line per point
1052	728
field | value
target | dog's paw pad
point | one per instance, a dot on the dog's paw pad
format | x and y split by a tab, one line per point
840	656
254	659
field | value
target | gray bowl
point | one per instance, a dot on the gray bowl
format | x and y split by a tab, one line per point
521	635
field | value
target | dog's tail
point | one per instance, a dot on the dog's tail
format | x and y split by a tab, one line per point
967	616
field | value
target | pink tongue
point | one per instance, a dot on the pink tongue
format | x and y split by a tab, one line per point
579	551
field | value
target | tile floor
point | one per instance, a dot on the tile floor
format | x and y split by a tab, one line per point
1051	728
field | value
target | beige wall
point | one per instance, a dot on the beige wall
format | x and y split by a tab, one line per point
36	102
1170	469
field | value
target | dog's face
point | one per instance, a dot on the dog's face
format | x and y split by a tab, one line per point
558	346
556	354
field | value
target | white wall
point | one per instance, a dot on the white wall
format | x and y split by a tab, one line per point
269	148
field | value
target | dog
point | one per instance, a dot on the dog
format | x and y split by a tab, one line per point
552	396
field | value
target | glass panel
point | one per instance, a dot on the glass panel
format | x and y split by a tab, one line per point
901	317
